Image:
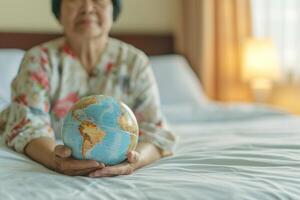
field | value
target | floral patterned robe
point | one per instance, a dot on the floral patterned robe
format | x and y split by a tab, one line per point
51	79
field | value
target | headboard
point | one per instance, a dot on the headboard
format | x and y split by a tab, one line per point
150	44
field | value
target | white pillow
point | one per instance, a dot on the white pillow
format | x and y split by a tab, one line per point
10	60
177	82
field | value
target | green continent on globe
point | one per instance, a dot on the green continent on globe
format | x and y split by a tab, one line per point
91	135
83	103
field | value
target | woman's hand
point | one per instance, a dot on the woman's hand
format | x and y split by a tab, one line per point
65	164
146	153
125	168
58	158
44	150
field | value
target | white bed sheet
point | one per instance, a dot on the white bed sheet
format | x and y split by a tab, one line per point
224	152
255	158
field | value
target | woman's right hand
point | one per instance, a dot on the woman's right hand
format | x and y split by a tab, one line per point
58	158
65	164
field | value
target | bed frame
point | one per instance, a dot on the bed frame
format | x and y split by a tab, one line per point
150	44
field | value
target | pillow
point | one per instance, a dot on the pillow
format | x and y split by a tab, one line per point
177	82
10	60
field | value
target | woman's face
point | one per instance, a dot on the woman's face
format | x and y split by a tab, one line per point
86	18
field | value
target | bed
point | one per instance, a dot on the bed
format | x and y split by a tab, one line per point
225	151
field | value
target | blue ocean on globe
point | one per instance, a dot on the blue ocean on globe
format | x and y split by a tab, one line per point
100	128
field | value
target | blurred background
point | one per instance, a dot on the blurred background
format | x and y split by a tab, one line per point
241	50
138	16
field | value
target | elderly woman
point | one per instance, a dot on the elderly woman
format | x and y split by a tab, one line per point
54	75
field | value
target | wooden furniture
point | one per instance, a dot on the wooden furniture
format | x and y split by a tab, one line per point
150	44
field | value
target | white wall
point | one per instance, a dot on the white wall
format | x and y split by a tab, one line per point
138	16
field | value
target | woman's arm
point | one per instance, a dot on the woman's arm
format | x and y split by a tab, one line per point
145	154
27	120
44	150
40	150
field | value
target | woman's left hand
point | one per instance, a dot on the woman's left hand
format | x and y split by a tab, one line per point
125	168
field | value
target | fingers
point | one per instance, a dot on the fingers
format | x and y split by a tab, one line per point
62	151
72	164
122	169
125	168
84	172
69	166
78	167
65	164
133	157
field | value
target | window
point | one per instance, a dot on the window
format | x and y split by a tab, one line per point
280	20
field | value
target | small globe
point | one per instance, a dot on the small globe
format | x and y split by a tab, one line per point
100	128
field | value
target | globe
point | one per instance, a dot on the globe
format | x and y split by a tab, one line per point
100	128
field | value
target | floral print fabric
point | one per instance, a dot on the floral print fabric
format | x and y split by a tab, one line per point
51	79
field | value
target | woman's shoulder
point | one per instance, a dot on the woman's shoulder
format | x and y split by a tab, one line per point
123	49
47	47
38	57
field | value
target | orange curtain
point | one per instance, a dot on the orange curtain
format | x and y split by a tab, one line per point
211	34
